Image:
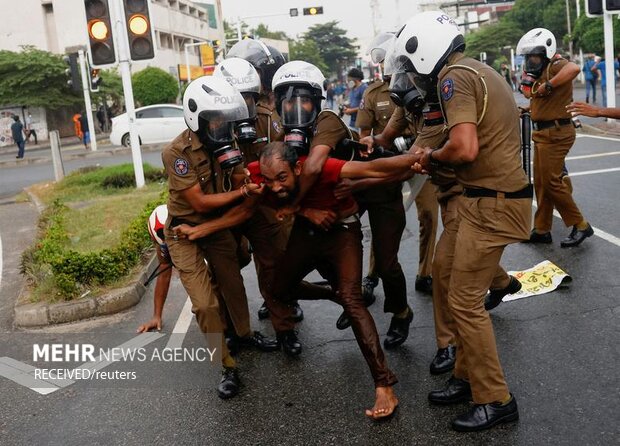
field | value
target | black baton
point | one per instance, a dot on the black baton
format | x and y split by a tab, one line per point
526	146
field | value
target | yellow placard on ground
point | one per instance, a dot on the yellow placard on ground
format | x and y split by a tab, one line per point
540	279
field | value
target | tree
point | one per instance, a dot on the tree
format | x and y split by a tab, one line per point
336	49
491	39
264	32
230	30
589	36
34	78
154	86
111	87
308	51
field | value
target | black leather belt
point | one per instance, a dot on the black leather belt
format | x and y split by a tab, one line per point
541	125
526	192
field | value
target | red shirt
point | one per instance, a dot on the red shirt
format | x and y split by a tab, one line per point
321	194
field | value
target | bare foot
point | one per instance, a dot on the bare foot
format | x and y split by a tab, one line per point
385	403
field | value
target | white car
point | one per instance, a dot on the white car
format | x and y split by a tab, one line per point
159	123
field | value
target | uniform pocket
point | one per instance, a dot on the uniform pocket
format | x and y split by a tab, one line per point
204	175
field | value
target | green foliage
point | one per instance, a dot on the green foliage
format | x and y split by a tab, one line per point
111	87
589	35
491	39
154	86
34	78
308	51
127	179
336	49
264	32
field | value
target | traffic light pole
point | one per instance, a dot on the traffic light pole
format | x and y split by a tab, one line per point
123	53
87	103
608	28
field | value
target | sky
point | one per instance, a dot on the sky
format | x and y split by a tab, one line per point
354	15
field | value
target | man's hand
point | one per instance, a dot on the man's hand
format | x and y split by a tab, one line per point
319	217
184	231
344	188
581	108
252	189
285	212
153	324
423	165
348	111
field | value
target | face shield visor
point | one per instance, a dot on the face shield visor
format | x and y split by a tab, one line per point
535	61
216	126
298	108
404	93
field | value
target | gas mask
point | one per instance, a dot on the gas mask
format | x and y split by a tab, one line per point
535	64
298	110
245	130
404	93
217	137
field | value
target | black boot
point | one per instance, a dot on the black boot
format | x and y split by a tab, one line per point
494	298
368	289
424	284
484	416
263	312
261	342
298	313
398	331
535	237
577	236
229	385
289	342
444	360
455	391
344	322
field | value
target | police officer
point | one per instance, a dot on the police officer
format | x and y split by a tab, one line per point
484	149
547	82
266	60
202	184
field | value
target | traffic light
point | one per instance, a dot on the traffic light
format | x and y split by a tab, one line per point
313	10
95	79
74	80
139	30
594	8
612	6
99	27
294	12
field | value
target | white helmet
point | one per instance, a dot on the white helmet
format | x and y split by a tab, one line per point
157	223
379	46
296	83
537	41
211	106
425	42
239	73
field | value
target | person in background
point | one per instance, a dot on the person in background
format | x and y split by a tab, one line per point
600	67
76	126
591	77
30	131
356	92
17	131
85	130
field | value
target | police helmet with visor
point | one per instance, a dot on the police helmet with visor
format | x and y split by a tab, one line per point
265	58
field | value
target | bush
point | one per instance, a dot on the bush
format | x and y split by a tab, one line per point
154	86
126	179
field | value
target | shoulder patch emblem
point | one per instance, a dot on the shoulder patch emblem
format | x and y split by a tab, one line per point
447	89
181	166
361	107
276	126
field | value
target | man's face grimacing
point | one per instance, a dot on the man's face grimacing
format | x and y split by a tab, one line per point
280	178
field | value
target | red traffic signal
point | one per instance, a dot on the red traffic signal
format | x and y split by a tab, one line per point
139	29
99	27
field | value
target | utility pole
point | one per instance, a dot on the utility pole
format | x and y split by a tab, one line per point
87	103
570	34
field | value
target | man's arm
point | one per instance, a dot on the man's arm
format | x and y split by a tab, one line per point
311	170
205	203
566	74
461	146
581	108
380	168
161	293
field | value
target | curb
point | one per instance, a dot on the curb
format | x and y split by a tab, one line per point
28	315
588	129
70	157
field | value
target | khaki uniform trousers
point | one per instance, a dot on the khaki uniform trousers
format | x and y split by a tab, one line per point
550	149
487	226
220	251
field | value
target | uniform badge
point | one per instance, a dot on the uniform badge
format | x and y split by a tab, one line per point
447	89
276	126
180	166
361	107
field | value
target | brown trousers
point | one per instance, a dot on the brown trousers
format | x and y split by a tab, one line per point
445	327
268	238
550	149
387	223
487	226
428	215
220	251
337	255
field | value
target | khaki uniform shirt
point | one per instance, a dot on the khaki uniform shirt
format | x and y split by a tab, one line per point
187	163
376	108
553	106
329	130
498	165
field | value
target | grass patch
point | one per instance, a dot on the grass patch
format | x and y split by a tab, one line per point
93	232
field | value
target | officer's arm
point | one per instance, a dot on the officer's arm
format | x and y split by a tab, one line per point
161	292
364	132
380	168
312	168
205	203
461	147
566	74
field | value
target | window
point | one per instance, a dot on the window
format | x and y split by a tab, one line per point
171	112
149	113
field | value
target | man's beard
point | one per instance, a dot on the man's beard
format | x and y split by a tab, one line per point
292	194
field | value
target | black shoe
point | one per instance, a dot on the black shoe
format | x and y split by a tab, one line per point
289	342
229	385
344	322
263	312
424	284
494	298
298	313
456	391
444	360
535	237
232	342
261	342
484	416
368	289
398	331
577	236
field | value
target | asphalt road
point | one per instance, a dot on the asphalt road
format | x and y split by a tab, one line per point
559	352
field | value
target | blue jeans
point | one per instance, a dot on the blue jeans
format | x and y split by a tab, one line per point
591	85
21	145
604	90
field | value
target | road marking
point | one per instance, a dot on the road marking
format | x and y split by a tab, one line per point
181	327
597	232
595	155
593	172
606	138
23	374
